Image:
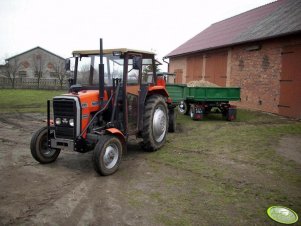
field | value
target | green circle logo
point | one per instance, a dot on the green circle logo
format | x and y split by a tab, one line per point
282	214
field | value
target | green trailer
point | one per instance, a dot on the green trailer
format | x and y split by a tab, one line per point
199	101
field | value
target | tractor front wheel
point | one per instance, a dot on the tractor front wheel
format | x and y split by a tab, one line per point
39	147
155	123
107	155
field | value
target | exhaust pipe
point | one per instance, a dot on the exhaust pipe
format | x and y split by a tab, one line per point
101	75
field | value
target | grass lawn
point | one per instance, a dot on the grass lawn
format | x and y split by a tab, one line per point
233	170
23	100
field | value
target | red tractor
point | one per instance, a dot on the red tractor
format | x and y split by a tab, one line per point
111	99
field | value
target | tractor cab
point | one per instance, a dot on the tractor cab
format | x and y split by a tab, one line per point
85	67
124	72
111	97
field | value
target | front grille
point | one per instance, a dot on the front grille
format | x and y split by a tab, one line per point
66	110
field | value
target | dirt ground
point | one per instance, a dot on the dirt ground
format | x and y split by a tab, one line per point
143	192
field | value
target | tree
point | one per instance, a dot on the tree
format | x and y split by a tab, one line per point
147	71
11	70
60	72
149	68
38	65
83	74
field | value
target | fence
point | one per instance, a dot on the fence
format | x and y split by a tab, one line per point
32	83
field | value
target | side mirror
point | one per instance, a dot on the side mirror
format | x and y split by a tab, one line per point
137	62
67	64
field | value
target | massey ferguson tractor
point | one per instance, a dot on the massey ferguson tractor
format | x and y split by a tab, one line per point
112	98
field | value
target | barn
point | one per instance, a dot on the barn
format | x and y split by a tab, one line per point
36	61
259	51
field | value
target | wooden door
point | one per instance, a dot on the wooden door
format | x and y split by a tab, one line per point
179	76
216	68
290	82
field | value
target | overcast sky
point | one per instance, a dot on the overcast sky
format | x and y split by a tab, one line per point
154	25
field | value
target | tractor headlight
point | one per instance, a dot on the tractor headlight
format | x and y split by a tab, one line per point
71	122
58	121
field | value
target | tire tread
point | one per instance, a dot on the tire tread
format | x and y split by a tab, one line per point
149	144
34	151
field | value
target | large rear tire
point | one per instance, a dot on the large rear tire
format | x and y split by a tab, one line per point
155	123
107	155
39	147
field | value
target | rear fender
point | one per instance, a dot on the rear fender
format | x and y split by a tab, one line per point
161	90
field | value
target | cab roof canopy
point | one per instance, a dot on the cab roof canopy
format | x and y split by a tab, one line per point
111	51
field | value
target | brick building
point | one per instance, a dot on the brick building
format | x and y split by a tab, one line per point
259	51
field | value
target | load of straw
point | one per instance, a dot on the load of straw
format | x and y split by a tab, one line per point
201	83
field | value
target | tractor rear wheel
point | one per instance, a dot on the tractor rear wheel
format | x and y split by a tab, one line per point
155	123
39	147
107	155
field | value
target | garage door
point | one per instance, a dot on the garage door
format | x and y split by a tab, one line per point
290	82
194	68
216	68
179	76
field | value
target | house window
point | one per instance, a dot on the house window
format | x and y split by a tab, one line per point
22	74
25	64
50	66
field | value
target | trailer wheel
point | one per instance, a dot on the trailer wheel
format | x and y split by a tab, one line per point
191	112
107	155
183	108
155	123
231	114
172	120
39	147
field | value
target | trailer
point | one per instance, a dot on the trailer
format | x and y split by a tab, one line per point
200	101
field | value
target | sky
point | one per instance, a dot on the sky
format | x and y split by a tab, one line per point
62	26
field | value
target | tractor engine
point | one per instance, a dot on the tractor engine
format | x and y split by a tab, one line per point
71	115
